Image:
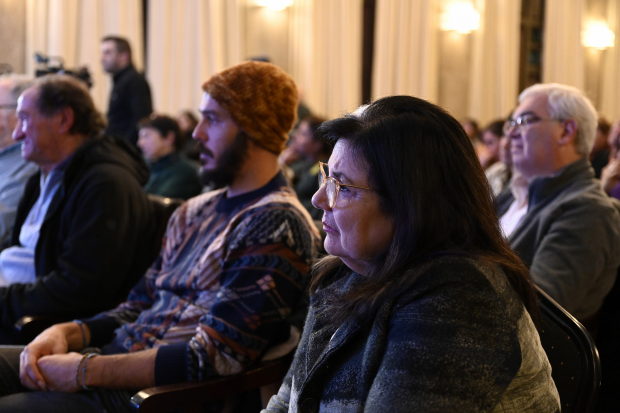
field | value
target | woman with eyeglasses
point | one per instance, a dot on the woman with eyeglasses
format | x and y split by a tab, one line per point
420	305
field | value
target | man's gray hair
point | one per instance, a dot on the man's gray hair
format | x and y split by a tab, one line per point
17	83
567	102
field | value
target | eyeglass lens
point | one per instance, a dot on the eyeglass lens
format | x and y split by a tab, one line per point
330	188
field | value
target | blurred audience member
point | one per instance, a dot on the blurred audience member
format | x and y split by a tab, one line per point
312	150
500	172
610	175
490	139
187	123
172	175
473	132
14	170
568	231
130	99
600	152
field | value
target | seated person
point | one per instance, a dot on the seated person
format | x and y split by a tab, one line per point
473	132
498	145
14	170
311	149
84	227
228	283
599	156
172	175
610	174
563	226
490	138
421	305
187	123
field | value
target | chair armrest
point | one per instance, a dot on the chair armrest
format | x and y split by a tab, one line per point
189	396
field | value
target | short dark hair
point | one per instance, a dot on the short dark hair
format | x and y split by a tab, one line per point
122	45
164	125
604	126
59	91
314	122
430	181
496	127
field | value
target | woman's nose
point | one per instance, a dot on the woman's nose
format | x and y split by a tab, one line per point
319	199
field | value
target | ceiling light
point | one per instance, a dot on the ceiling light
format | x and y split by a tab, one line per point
460	17
597	35
275	4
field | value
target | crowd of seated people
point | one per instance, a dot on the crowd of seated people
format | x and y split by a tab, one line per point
432	229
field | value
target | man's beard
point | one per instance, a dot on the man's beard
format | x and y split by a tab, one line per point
228	165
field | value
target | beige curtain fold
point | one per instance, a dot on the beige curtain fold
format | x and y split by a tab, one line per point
610	93
405	56
563	55
325	54
72	29
189	41
494	76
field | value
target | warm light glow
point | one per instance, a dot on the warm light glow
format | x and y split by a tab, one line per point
460	17
598	36
275	4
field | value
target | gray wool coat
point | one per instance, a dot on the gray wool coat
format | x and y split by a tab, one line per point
569	238
459	340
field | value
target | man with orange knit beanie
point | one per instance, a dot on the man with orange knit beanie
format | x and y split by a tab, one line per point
226	288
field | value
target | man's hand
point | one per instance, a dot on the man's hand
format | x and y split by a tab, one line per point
59	371
51	341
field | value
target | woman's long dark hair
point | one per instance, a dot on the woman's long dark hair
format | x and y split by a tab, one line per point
430	181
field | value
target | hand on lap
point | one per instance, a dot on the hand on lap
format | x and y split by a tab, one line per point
50	341
59	372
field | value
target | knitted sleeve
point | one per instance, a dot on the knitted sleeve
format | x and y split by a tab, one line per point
263	278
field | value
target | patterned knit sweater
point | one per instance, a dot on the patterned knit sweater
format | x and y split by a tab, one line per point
459	340
228	285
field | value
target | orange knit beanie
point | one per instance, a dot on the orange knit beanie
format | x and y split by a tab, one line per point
261	98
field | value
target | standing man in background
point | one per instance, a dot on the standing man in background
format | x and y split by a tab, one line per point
14	170
130	100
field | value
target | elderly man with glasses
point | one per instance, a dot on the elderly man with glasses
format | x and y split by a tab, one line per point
558	219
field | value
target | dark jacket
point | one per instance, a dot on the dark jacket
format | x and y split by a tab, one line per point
174	177
130	101
96	239
569	238
459	340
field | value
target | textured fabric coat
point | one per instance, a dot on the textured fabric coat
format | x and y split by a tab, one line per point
459	340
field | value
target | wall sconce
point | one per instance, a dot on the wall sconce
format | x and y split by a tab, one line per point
275	4
460	17
598	36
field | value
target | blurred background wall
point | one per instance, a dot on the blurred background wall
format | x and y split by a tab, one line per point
341	52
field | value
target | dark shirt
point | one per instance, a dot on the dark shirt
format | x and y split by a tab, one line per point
130	101
173	176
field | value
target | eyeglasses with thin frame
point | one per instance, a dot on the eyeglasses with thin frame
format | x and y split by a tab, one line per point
523	122
332	186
